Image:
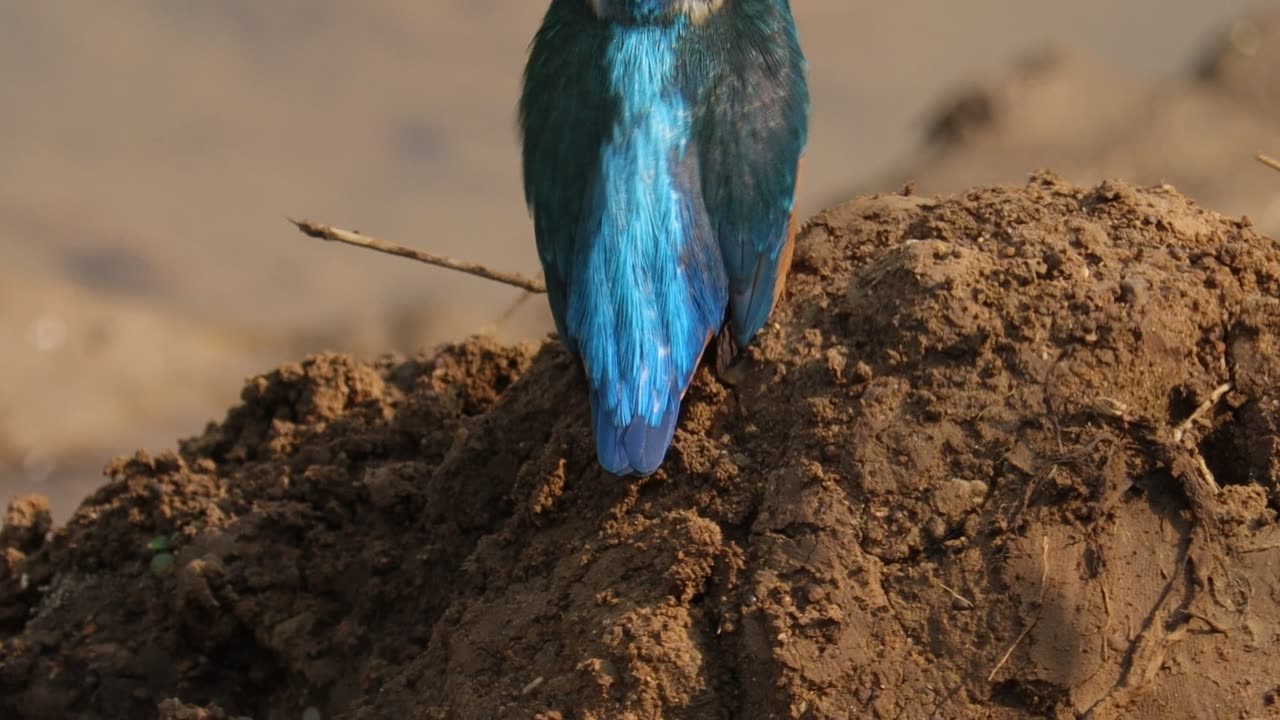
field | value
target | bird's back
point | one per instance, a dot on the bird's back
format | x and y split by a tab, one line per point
612	118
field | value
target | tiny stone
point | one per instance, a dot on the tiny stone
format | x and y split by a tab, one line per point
936	528
1133	290
862	372
814	592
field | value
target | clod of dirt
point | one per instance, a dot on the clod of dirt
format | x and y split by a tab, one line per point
26	522
1004	454
173	709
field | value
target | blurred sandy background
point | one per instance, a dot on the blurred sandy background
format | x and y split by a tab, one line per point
149	151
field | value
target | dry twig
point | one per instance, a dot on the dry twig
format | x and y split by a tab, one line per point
1204	407
1269	162
966	601
328	232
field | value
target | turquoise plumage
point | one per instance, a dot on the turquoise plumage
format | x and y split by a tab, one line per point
661	141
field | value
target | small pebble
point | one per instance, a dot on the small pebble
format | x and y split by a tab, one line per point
1133	290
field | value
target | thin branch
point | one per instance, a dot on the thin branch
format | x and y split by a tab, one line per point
328	232
966	601
1269	162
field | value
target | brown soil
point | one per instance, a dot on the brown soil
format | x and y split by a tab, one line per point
982	465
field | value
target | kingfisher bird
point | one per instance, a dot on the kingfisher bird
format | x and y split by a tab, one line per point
661	143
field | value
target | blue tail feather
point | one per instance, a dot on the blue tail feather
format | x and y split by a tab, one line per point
638	448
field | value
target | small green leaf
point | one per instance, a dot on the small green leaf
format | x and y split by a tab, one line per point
162	563
161	543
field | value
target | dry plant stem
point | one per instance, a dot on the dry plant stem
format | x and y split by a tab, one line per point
328	232
1204	407
966	601
1269	162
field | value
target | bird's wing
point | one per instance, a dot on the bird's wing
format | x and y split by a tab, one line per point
566	112
752	131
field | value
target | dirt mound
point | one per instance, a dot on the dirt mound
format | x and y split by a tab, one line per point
1002	454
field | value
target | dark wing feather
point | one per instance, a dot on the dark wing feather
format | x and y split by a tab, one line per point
566	112
751	132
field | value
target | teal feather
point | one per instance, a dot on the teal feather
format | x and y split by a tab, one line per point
660	158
